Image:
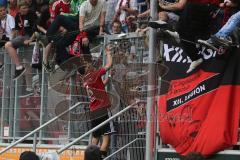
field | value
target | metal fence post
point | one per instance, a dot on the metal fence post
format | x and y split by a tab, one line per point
72	98
35	142
150	124
12	94
44	99
15	111
5	94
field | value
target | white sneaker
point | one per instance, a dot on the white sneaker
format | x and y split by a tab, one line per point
56	66
122	35
194	65
175	35
207	43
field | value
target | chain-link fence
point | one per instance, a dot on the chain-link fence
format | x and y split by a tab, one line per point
38	96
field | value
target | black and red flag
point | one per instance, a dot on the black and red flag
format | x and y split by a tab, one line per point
200	112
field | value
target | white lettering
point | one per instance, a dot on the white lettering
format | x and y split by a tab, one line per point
180	56
177	54
167	51
177	102
196	91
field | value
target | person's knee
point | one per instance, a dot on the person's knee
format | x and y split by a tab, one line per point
49	45
8	45
163	16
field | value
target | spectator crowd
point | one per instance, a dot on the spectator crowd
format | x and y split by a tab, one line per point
58	23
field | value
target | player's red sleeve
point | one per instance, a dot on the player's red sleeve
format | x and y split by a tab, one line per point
102	71
83	34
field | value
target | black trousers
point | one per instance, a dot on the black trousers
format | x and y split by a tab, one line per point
195	23
71	25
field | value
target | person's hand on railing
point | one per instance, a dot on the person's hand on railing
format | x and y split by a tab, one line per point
222	5
142	32
27	42
85	41
131	18
62	13
109	49
123	8
228	3
111	73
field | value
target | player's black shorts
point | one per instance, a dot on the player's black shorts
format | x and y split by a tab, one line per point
98	118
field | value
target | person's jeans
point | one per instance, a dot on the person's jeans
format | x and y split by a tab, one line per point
229	27
93	32
70	23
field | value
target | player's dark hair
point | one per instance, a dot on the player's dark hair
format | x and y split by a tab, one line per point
92	153
81	70
28	155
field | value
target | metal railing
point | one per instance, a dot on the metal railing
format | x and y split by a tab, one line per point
95	128
14	106
41	127
13	109
124	147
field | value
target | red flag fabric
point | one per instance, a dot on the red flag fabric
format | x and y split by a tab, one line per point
200	112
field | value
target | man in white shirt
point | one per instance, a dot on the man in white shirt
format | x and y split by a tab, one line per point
7	28
7	25
91	17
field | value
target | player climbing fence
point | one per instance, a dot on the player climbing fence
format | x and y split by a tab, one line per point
129	79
